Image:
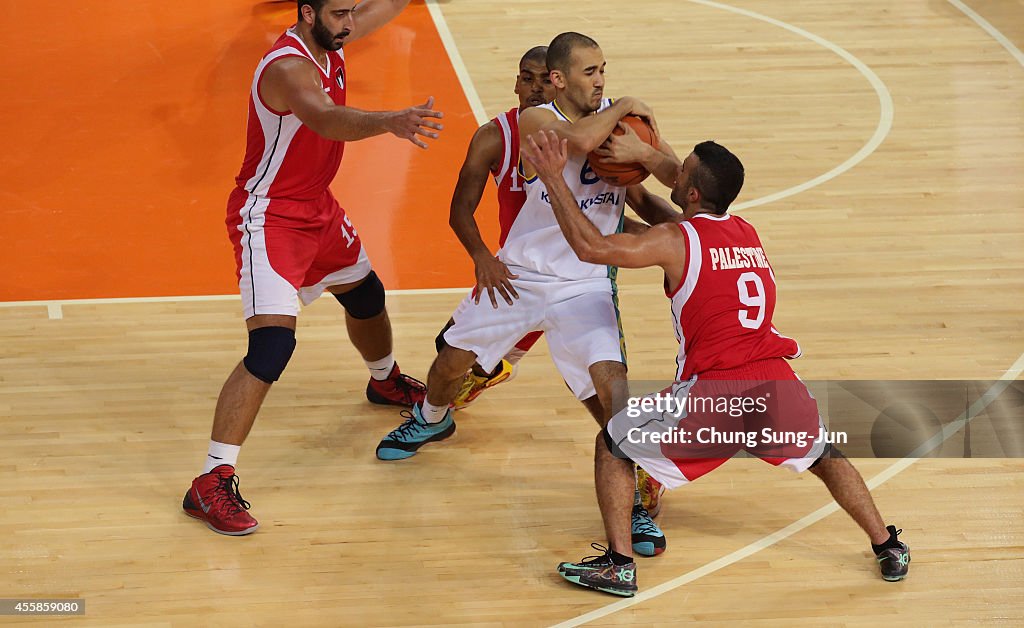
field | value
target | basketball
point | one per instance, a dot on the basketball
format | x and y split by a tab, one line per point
624	174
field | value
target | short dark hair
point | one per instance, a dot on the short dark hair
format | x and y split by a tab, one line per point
316	4
718	177
561	47
537	54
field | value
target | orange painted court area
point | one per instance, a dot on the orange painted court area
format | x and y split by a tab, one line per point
125	126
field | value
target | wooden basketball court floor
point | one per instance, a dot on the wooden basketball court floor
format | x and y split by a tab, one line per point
884	146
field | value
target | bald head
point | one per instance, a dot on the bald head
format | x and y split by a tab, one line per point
560	50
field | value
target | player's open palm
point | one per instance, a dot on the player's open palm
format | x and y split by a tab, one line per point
547	153
492	275
416	120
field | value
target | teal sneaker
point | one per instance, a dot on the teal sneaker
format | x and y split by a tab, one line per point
413	433
648	539
601	573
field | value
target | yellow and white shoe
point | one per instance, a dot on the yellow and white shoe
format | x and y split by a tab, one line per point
474	385
651	491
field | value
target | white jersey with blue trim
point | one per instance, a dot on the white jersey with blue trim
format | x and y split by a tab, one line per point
535	248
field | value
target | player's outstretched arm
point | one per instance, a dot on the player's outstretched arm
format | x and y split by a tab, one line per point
293	85
658	246
651	208
369	15
484	155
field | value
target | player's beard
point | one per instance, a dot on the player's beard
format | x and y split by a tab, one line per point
678	197
325	38
591	100
581	99
679	192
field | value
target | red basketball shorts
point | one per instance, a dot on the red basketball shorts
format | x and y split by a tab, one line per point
692	427
290	250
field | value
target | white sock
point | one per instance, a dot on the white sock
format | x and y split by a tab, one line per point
221	453
380	369
431	413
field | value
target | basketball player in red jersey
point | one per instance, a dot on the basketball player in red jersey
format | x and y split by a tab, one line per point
723	295
292	239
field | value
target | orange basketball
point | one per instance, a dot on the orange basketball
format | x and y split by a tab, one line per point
624	174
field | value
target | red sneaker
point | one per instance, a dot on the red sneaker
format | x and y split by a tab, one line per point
214	498
396	390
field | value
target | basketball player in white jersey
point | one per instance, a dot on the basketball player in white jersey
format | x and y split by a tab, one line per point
494	153
293	240
573	302
723	295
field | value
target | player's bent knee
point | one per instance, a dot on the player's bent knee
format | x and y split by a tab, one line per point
365	300
270	348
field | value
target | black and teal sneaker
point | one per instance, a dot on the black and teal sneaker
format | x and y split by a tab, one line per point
894	561
413	433
648	539
601	573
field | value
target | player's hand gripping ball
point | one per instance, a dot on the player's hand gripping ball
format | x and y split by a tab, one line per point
624	174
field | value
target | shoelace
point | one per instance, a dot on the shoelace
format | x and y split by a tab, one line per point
642	522
408	427
407	385
605	557
229	493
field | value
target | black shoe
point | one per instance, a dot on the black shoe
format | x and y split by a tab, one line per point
894	561
601	573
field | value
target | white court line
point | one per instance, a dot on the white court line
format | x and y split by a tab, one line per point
54	306
991	30
1010	375
460	67
885	114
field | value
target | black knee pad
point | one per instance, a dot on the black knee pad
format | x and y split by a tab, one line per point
365	300
270	348
830	452
440	342
609	442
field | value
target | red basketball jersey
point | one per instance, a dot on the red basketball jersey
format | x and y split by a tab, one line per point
285	159
511	194
722	308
